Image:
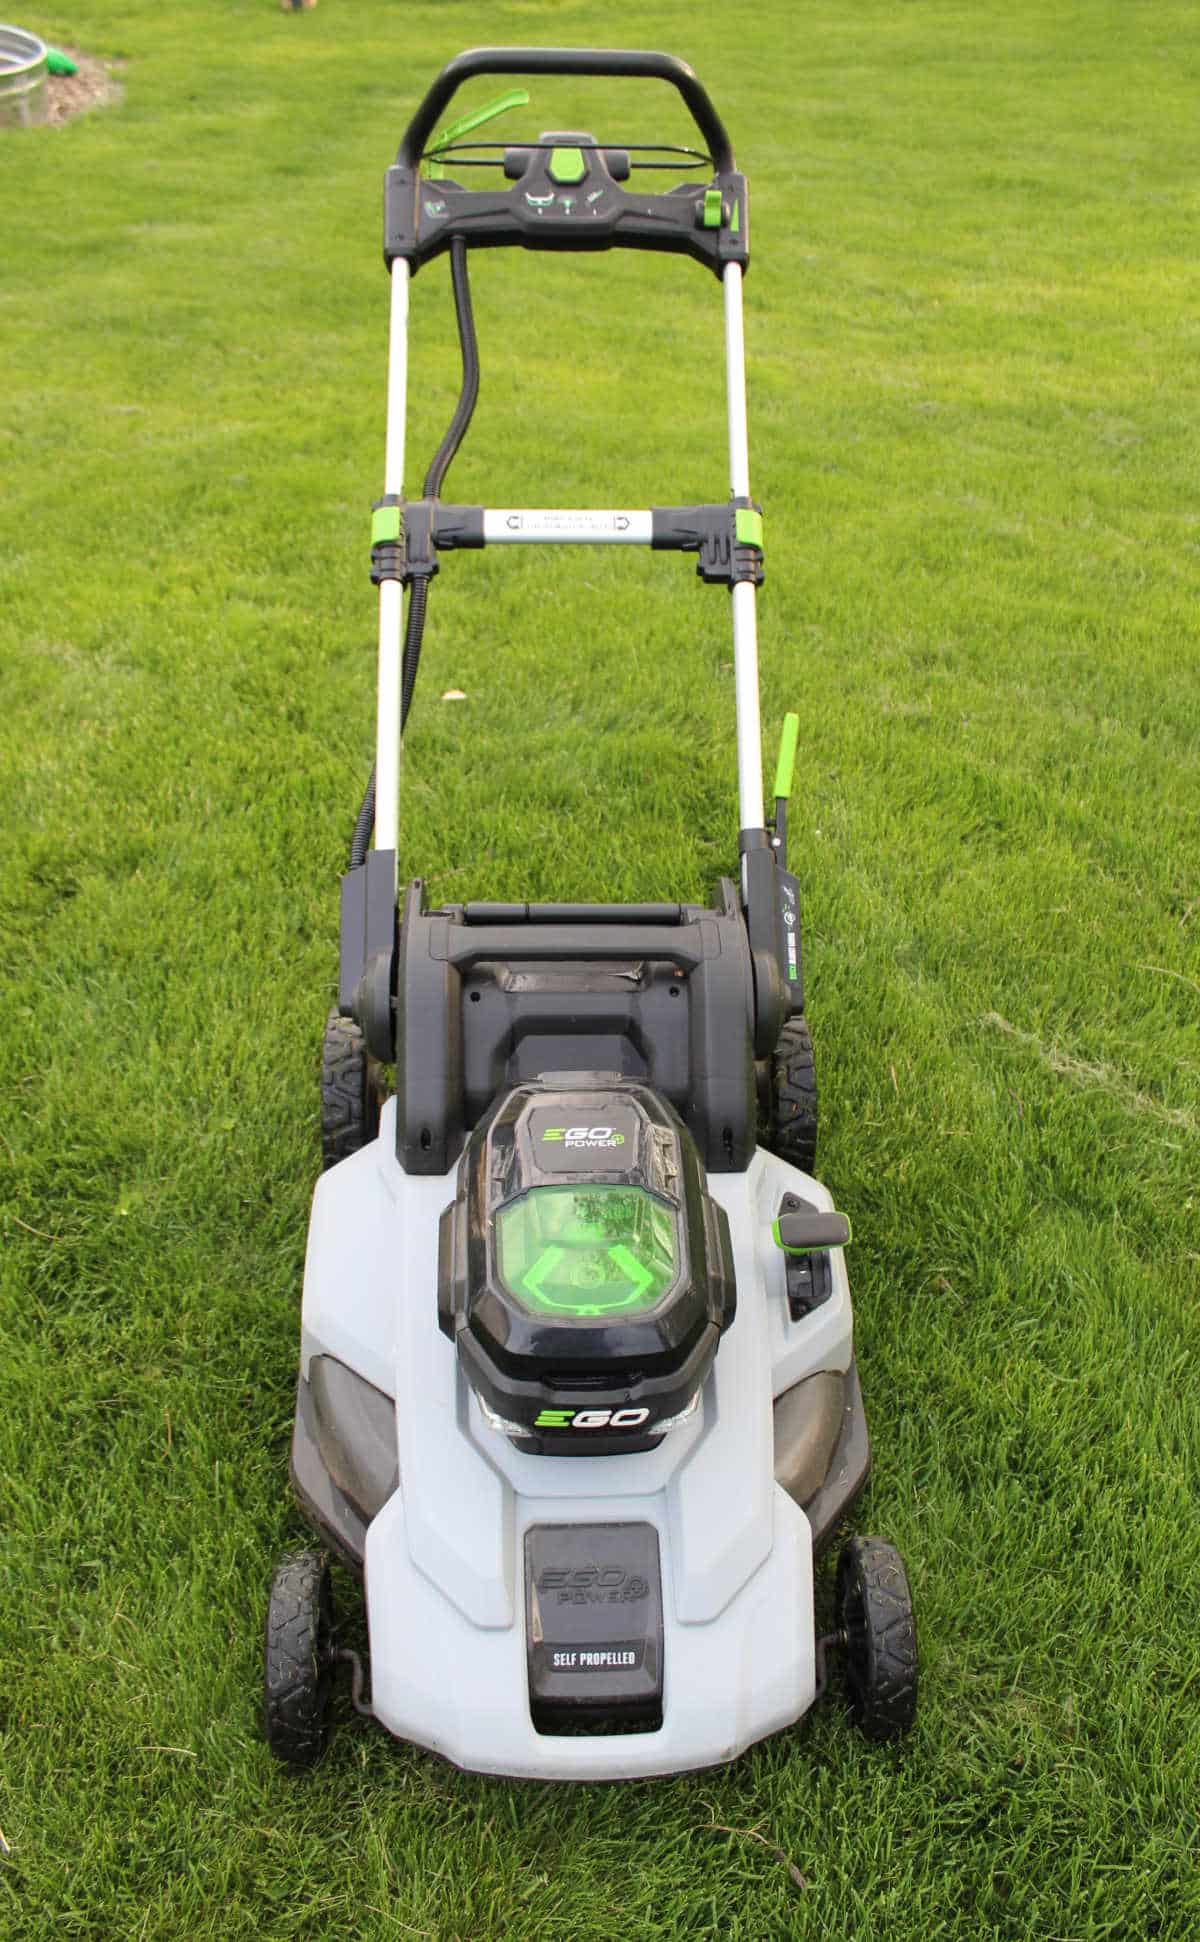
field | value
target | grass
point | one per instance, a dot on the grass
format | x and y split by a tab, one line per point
972	326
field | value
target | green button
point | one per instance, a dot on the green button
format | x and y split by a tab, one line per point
748	526
711	219
567	165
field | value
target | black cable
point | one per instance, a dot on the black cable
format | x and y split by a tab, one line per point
360	842
434	480
464	316
417	601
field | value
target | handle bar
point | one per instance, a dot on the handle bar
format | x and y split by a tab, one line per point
626	63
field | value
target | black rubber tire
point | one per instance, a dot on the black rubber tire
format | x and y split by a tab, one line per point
876	1611
789	1126
352	1091
298	1675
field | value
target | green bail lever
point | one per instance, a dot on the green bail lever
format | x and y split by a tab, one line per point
454	130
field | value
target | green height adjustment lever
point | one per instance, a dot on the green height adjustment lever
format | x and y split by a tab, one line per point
805	1233
784	770
455	130
786	764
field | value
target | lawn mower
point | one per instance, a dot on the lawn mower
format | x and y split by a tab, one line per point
577	1394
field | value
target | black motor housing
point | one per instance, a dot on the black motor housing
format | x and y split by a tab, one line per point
585	1273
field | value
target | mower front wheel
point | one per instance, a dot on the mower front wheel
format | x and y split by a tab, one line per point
875	1611
298	1673
352	1091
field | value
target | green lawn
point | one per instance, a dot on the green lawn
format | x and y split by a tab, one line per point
973	333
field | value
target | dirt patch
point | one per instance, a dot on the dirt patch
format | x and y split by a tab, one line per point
67	95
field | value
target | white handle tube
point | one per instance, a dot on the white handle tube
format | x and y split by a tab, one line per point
735	383
745	619
391	594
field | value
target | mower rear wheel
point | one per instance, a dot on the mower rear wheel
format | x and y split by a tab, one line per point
298	1671
875	1611
352	1091
790	1123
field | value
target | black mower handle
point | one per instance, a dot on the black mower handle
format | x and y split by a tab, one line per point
622	63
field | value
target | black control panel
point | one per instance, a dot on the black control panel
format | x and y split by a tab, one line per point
565	192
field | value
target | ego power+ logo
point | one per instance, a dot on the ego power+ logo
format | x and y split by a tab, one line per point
591	1419
592	1584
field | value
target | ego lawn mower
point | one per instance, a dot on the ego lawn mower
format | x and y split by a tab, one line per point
577	1390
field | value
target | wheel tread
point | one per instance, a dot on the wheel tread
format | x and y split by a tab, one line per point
296	1679
875	1605
351	1091
790	1126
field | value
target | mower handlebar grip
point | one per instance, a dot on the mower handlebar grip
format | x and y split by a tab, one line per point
621	63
